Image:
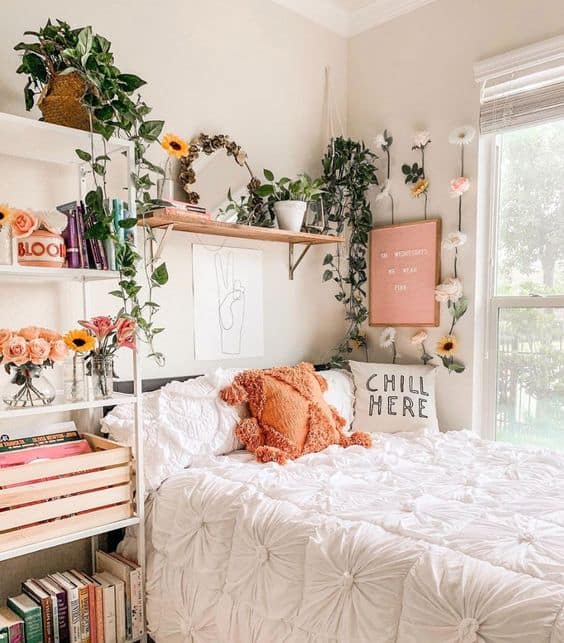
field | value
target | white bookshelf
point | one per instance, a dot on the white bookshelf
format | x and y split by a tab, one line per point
41	142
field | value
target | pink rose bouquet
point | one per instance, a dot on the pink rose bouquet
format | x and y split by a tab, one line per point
25	353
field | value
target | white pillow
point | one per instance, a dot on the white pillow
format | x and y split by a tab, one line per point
340	392
392	398
180	421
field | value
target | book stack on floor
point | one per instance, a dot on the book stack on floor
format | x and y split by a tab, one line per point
84	251
74	607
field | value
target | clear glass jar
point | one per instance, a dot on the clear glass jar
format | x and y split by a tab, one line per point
28	386
6	245
74	378
102	375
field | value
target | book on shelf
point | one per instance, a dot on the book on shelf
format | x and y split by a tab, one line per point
59	596
70	236
109	608
83	606
73	606
30	613
43	599
119	591
95	247
95	606
38	440
83	251
44	452
11	625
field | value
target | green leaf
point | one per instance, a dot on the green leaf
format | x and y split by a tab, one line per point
83	156
327	259
130	82
456	367
265	190
151	130
160	275
35	66
406	169
327	275
268	175
128	223
459	308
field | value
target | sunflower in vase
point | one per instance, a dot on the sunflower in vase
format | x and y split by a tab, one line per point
96	343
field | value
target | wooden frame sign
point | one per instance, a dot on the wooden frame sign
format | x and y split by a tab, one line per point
405	268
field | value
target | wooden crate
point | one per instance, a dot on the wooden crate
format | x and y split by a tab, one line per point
59	497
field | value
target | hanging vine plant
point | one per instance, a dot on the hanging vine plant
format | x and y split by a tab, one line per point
348	173
72	76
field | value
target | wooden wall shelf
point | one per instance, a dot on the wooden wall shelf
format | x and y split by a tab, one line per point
217	228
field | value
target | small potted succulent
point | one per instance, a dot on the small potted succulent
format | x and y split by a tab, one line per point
289	198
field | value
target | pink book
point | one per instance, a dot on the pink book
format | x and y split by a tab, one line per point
46	452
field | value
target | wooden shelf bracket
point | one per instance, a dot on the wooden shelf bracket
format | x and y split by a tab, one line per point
292	265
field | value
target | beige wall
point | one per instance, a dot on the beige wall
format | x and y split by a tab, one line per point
416	72
248	68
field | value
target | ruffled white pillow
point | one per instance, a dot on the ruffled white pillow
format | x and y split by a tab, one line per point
182	420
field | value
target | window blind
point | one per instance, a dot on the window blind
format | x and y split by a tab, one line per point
524	87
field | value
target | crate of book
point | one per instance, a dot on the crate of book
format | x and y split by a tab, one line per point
57	485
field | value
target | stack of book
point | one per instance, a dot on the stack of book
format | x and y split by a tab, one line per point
182	211
86	252
60	444
74	607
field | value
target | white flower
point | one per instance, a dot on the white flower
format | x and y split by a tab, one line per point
421	138
419	338
450	290
388	337
379	140
462	135
52	220
385	191
454	240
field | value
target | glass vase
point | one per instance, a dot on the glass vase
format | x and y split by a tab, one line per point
6	246
102	375
28	386
74	378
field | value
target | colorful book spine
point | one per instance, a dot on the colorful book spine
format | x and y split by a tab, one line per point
95	247
51	451
84	607
30	612
137	596
12	625
70	235
60	598
81	232
73	606
35	592
128	233
117	211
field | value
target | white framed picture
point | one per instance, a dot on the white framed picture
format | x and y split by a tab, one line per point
228	302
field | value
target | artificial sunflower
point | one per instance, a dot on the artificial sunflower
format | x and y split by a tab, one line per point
6	213
447	345
175	146
419	188
79	340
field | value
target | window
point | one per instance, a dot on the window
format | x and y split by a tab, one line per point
526	299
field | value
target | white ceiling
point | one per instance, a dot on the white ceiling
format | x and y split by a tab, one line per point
349	17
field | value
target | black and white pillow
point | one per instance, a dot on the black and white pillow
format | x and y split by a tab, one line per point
394	397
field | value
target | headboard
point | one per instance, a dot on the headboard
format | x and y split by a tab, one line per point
154	384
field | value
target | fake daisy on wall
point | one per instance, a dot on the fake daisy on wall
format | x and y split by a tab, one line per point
388	341
415	173
451	291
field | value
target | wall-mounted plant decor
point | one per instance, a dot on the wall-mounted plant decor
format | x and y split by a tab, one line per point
348	173
71	74
415	173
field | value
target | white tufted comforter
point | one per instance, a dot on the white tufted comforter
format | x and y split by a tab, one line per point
438	538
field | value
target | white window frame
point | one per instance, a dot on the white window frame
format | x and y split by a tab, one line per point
488	304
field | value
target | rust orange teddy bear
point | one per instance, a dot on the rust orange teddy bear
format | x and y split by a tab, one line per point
290	417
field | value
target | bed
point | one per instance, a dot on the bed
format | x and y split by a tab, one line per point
424	538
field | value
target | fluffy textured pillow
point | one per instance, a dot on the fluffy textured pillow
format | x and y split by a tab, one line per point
391	398
289	416
182	420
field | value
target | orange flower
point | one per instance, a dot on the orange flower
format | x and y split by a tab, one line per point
5	335
15	350
175	145
447	345
6	214
39	351
29	332
49	335
23	223
58	350
419	188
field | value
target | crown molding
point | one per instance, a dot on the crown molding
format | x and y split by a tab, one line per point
539	53
330	15
323	12
379	12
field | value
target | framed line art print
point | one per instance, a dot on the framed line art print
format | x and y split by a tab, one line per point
405	268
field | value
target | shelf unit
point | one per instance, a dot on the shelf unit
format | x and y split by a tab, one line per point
218	228
53	144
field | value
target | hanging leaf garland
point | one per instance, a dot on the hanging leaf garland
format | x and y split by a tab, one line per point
348	173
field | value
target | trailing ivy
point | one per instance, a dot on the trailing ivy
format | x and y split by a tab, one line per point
114	109
348	173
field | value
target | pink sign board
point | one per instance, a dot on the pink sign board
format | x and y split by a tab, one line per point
404	271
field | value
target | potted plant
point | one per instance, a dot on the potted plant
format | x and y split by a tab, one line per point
289	198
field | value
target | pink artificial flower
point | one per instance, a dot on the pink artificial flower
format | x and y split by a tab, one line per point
39	350
29	332
126	333
58	350
459	186
24	224
15	350
100	326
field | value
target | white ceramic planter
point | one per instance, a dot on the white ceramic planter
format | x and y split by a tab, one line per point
290	214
